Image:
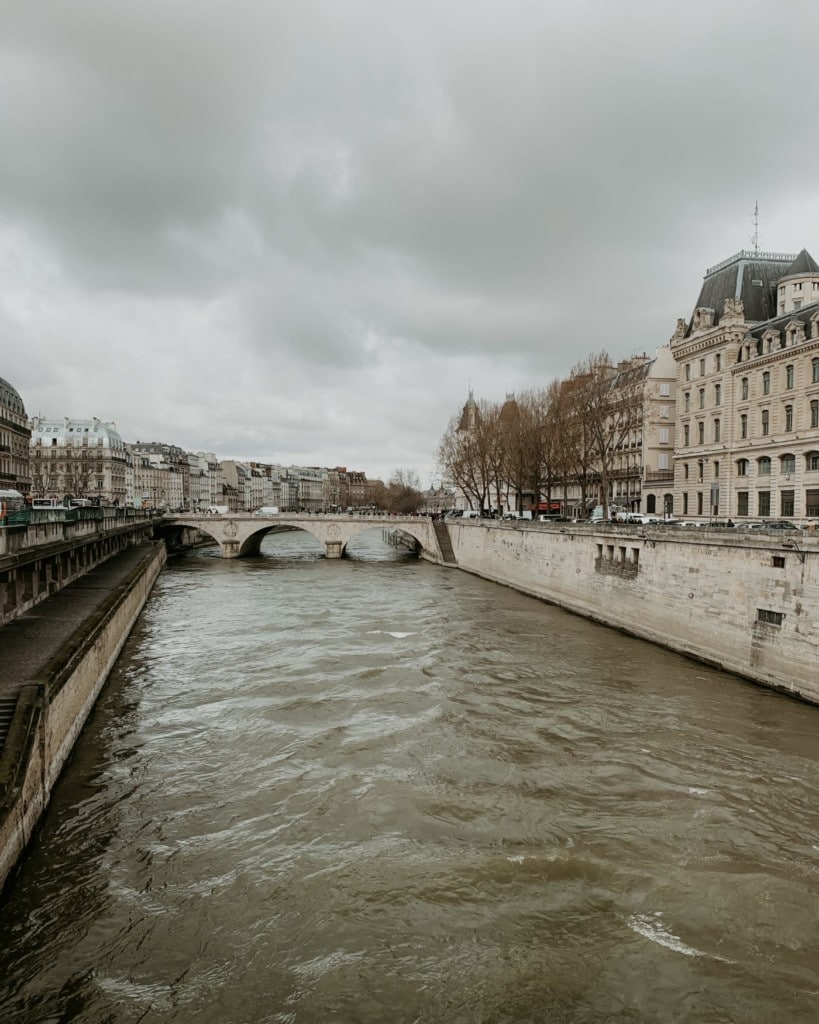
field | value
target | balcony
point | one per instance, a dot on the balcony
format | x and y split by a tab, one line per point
656	476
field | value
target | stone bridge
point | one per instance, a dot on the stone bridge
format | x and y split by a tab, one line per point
241	533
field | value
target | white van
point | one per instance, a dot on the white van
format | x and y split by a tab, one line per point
268	510
470	513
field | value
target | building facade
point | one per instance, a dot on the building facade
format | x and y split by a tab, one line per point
747	442
77	459
15	441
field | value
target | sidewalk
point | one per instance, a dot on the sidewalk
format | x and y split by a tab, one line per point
27	643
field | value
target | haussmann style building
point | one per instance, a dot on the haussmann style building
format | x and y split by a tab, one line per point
747	438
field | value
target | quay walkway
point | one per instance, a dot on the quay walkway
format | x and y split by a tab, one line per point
29	642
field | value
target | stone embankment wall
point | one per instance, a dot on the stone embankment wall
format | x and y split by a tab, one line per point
742	603
50	714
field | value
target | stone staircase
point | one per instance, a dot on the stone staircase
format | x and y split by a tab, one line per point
445	544
7	706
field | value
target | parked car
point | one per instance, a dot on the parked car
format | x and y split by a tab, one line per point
552	517
780	524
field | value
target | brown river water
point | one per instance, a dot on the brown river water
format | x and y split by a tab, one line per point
379	791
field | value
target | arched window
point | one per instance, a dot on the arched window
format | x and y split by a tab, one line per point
764	466
742	467
651	503
743	425
788	463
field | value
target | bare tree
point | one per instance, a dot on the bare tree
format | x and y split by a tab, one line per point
467	452
402	494
609	404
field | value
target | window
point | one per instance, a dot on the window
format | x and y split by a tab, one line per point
763	501
688	370
742	467
700	466
766	383
718	361
812	503
745	388
716	430
716	471
662	460
815	371
717	394
788	376
685	471
702	398
702	367
686	434
788	417
701	432
742	503
788	463
743	425
814	413
687	401
812	462
685	503
764	465
772	618
663	435
766	422
786	503
665	390
699	503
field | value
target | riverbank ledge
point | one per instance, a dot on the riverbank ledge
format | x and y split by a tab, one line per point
745	604
50	709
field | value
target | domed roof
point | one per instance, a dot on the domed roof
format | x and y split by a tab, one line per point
10	398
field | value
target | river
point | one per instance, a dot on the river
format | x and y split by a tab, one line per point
377	791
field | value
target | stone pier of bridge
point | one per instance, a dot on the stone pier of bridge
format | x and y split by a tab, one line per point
240	534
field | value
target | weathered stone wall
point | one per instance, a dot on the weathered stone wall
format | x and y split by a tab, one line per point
50	715
743	603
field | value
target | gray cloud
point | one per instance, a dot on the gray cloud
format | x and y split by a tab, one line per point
300	231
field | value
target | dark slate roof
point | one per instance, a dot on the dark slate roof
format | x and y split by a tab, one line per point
469	414
10	398
749	276
803	264
777	323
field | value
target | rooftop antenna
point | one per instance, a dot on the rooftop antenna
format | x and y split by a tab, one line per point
755	235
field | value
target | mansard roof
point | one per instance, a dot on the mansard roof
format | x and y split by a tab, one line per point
803	264
778	323
10	398
469	414
70	430
750	276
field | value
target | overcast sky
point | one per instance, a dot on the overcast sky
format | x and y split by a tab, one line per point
300	231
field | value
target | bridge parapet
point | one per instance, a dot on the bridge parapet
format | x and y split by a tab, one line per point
241	533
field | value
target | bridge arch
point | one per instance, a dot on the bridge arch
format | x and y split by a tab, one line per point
240	534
